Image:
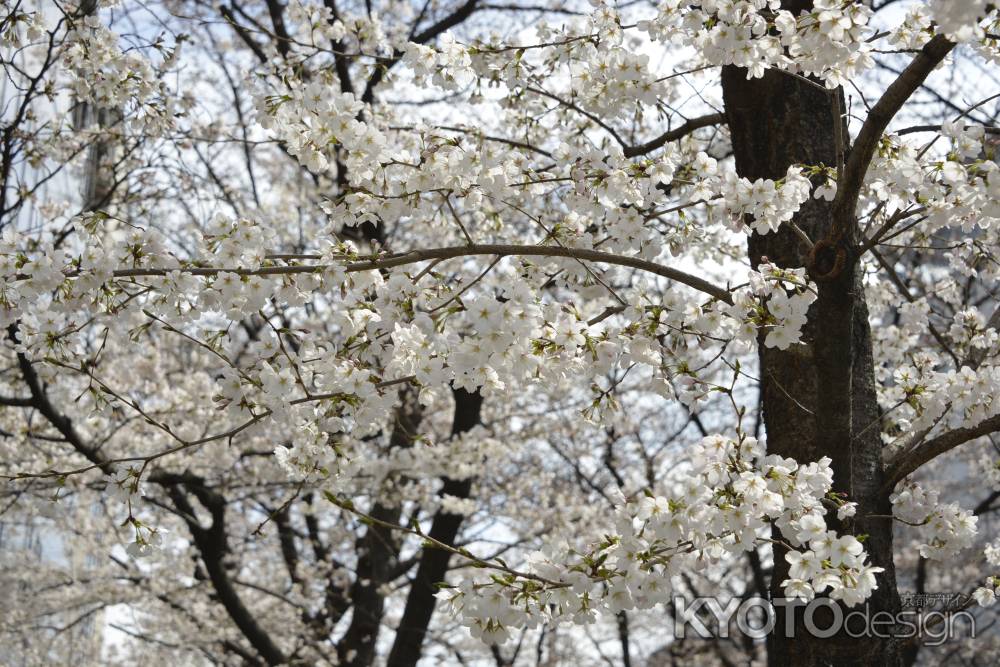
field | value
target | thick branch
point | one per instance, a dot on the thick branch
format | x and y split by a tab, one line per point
251	43
40	401
937	446
675	134
212	543
892	100
414	256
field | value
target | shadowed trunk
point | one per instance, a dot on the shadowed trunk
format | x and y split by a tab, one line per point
378	554
819	396
408	645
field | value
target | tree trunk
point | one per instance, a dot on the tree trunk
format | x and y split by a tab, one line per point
819	396
407	648
378	553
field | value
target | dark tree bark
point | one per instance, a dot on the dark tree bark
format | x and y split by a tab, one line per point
818	397
378	557
408	644
213	546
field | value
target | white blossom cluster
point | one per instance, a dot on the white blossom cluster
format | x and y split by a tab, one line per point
985	596
959	398
768	203
22	26
989	467
390	329
966	22
959	21
828	41
726	504
449	65
547	261
962	188
945	528
312	119
831	41
111	78
125	485
776	301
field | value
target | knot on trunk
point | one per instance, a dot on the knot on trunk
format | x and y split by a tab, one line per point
827	260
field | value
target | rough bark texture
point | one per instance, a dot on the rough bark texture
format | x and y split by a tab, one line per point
818	397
